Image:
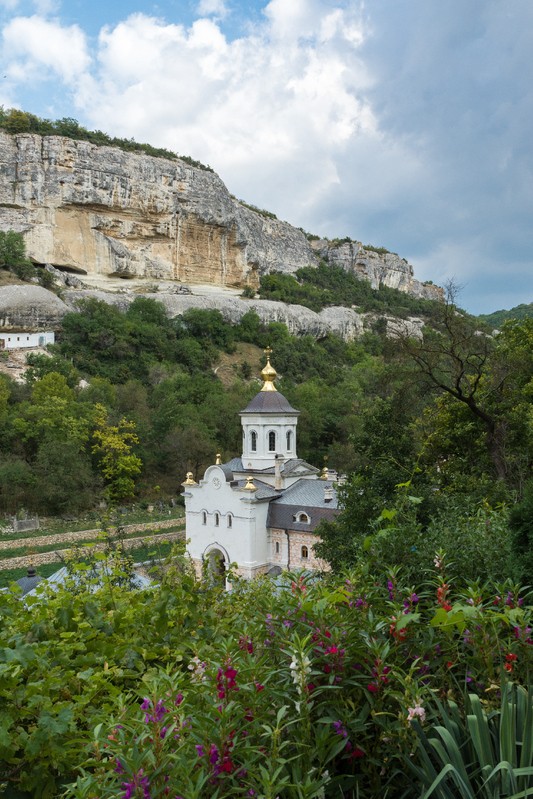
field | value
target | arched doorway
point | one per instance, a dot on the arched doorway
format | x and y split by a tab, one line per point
216	566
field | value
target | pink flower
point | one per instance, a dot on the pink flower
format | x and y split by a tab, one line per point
416	712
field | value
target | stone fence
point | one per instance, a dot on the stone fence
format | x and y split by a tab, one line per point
59	554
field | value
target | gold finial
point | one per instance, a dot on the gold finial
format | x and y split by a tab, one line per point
189	481
268	374
324	475
218	460
250	485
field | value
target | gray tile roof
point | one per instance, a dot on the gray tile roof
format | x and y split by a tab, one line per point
309	493
264	491
270	402
307	496
29	581
287	468
234	465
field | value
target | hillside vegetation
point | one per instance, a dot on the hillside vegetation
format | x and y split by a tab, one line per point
13	120
496	319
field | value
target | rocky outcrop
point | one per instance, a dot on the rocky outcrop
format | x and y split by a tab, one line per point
99	210
379	267
30	308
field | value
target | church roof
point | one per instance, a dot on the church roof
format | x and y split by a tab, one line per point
310	493
234	465
293	466
270	402
307	496
30	581
264	491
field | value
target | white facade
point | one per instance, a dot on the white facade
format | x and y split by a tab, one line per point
16	341
243	512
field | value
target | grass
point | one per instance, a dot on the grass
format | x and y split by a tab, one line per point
149	550
92	521
17	552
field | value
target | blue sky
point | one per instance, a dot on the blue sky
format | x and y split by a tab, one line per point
401	123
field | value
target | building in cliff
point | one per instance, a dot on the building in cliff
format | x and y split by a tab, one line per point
260	511
25	340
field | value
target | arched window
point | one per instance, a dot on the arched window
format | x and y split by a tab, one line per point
272	441
204	517
229	520
305	553
217	519
277	547
302	518
289	440
253	441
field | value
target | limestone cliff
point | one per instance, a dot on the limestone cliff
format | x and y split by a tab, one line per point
103	211
33	308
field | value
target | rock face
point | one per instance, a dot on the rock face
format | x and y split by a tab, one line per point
380	268
30	308
102	211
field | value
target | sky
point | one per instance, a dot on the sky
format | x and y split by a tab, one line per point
406	124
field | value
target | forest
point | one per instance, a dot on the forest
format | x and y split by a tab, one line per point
403	673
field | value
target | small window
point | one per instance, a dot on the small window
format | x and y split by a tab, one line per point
271	441
204	517
302	518
230	520
277	547
217	519
305	553
289	440
253	441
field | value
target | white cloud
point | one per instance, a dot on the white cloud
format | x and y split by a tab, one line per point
45	7
34	47
217	8
392	123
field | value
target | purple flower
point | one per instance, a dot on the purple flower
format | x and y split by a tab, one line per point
137	781
178	700
200	750
119	768
213	754
340	729
390	588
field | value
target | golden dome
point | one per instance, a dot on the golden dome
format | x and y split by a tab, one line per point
268	374
190	480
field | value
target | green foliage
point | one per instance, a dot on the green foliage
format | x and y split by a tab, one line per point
305	687
260	211
484	754
496	319
521	526
13	255
113	444
318	287
15	121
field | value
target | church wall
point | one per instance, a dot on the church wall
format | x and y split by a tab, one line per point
245	541
297	540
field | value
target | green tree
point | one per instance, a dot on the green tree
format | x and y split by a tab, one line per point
113	447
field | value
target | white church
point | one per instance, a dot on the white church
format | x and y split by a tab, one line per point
260	511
